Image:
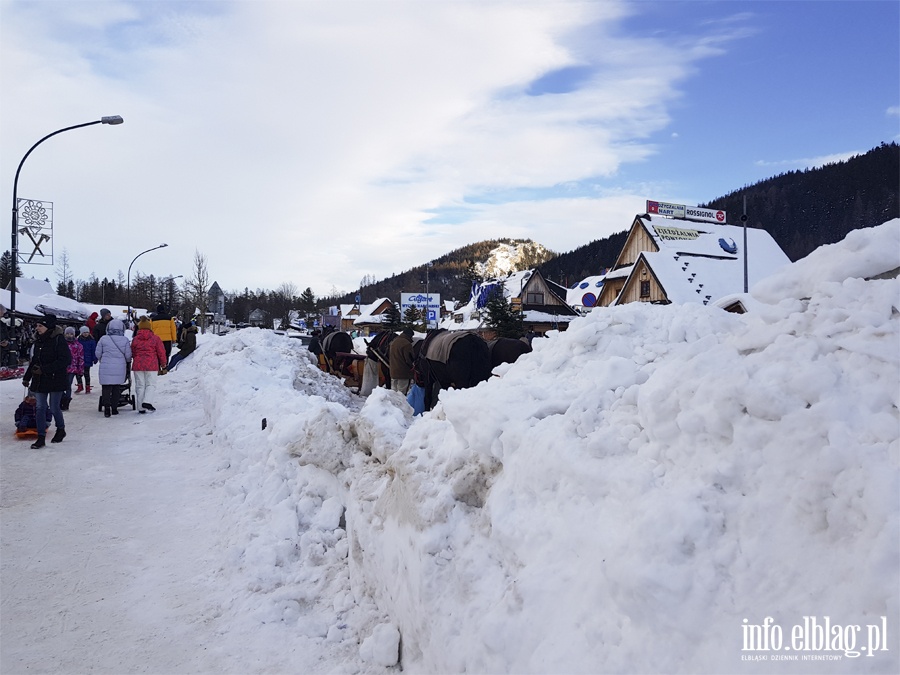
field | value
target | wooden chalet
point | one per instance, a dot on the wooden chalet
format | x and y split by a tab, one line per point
542	303
666	260
370	317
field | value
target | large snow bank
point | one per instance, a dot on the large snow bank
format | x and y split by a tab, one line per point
631	494
639	494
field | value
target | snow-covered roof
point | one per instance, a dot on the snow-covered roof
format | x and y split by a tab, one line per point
35	297
703	262
575	296
709	239
367	312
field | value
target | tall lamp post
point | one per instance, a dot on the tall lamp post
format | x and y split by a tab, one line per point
128	316
14	248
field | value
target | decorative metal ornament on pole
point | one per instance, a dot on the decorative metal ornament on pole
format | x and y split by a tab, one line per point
14	247
128	315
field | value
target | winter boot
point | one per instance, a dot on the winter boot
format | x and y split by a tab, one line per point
59	435
87	389
106	412
80	389
39	443
147	406
115	411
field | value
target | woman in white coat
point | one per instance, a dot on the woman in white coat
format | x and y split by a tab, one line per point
114	354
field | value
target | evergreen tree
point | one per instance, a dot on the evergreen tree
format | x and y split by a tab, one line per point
502	317
5	277
307	307
391	318
412	318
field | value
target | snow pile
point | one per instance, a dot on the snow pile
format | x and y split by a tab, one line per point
639	494
281	427
627	495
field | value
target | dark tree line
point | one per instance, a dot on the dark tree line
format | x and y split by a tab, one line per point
803	210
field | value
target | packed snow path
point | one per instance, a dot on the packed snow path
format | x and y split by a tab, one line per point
104	565
116	553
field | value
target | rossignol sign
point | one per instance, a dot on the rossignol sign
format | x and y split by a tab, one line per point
686	212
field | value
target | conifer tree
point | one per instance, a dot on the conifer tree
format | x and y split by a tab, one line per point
307	306
391	318
502	317
5	276
412	318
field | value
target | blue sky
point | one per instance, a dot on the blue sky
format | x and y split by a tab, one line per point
318	142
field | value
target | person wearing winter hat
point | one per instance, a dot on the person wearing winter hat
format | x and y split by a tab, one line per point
163	324
89	347
187	343
113	354
76	367
401	360
102	324
149	358
46	376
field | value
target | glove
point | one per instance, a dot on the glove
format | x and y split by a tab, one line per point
26	383
163	371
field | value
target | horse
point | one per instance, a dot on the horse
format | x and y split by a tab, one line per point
458	359
334	343
507	350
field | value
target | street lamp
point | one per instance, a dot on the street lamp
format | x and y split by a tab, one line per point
128	315
14	248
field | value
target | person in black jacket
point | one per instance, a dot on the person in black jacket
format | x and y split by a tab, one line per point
46	376
102	324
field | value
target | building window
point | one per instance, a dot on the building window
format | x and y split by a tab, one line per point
645	289
534	298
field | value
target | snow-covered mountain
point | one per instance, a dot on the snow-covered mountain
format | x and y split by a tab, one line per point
512	257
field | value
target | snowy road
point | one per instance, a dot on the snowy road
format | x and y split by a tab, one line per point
104	566
115	552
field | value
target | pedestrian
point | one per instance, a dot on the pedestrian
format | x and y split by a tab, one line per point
187	343
164	327
92	321
315	342
76	367
149	357
102	324
89	349
8	357
113	355
46	377
401	360
26	415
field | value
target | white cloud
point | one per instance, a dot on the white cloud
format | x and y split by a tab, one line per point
311	141
893	111
810	162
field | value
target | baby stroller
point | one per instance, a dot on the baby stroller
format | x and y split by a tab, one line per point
126	398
